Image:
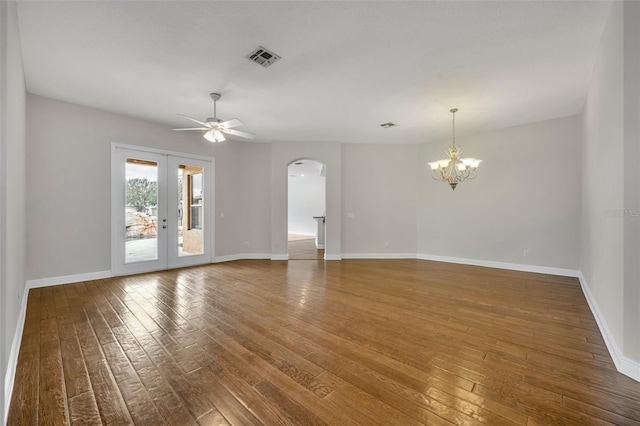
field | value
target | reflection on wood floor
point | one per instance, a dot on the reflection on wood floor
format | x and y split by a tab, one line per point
303	247
401	342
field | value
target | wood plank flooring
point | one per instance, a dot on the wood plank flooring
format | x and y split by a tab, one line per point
304	249
355	342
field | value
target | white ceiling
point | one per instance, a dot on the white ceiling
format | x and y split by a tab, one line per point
346	66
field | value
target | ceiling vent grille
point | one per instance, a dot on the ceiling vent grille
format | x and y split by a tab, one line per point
263	56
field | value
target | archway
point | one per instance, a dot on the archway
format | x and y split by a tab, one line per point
306	209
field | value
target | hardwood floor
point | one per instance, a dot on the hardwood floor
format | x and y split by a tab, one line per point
401	342
304	249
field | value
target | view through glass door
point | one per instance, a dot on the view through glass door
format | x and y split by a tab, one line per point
161	215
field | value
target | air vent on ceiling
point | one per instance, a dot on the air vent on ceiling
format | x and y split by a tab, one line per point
388	125
263	56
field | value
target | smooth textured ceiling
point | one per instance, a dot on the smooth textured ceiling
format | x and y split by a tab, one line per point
346	67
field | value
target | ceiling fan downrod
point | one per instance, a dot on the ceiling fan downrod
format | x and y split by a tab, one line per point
215	97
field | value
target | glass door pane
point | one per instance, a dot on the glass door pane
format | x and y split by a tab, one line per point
190	210
138	211
141	210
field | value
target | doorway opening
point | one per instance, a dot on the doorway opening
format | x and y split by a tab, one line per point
306	209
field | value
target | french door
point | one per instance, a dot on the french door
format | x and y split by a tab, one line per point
160	211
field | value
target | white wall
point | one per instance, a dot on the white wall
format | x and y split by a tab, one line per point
602	235
631	318
255	181
228	199
379	199
526	197
610	184
68	197
12	189
306	199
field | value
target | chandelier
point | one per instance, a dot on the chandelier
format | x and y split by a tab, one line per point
454	169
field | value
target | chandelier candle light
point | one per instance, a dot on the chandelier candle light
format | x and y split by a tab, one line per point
454	169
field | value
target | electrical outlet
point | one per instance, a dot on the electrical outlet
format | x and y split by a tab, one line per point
526	253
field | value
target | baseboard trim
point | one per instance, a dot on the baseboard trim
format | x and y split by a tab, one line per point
502	265
378	255
623	364
232	257
332	256
279	257
12	361
67	279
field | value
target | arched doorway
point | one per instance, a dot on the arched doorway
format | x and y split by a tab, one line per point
306	209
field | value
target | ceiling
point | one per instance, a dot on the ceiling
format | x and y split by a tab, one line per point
346	66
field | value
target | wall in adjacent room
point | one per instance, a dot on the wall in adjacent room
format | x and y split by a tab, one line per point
306	199
524	206
12	192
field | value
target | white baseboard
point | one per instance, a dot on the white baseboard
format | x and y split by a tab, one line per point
378	255
503	265
232	257
332	256
67	279
623	364
12	361
320	246
279	257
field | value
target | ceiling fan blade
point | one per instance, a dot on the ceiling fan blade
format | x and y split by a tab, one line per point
238	133
194	120
234	122
192	128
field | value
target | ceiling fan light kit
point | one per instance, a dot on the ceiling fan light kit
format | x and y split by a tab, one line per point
454	169
214	136
215	128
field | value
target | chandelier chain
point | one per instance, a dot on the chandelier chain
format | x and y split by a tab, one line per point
453	126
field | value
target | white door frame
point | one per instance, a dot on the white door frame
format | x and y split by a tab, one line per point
117	224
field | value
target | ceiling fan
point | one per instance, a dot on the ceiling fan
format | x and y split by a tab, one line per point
215	127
